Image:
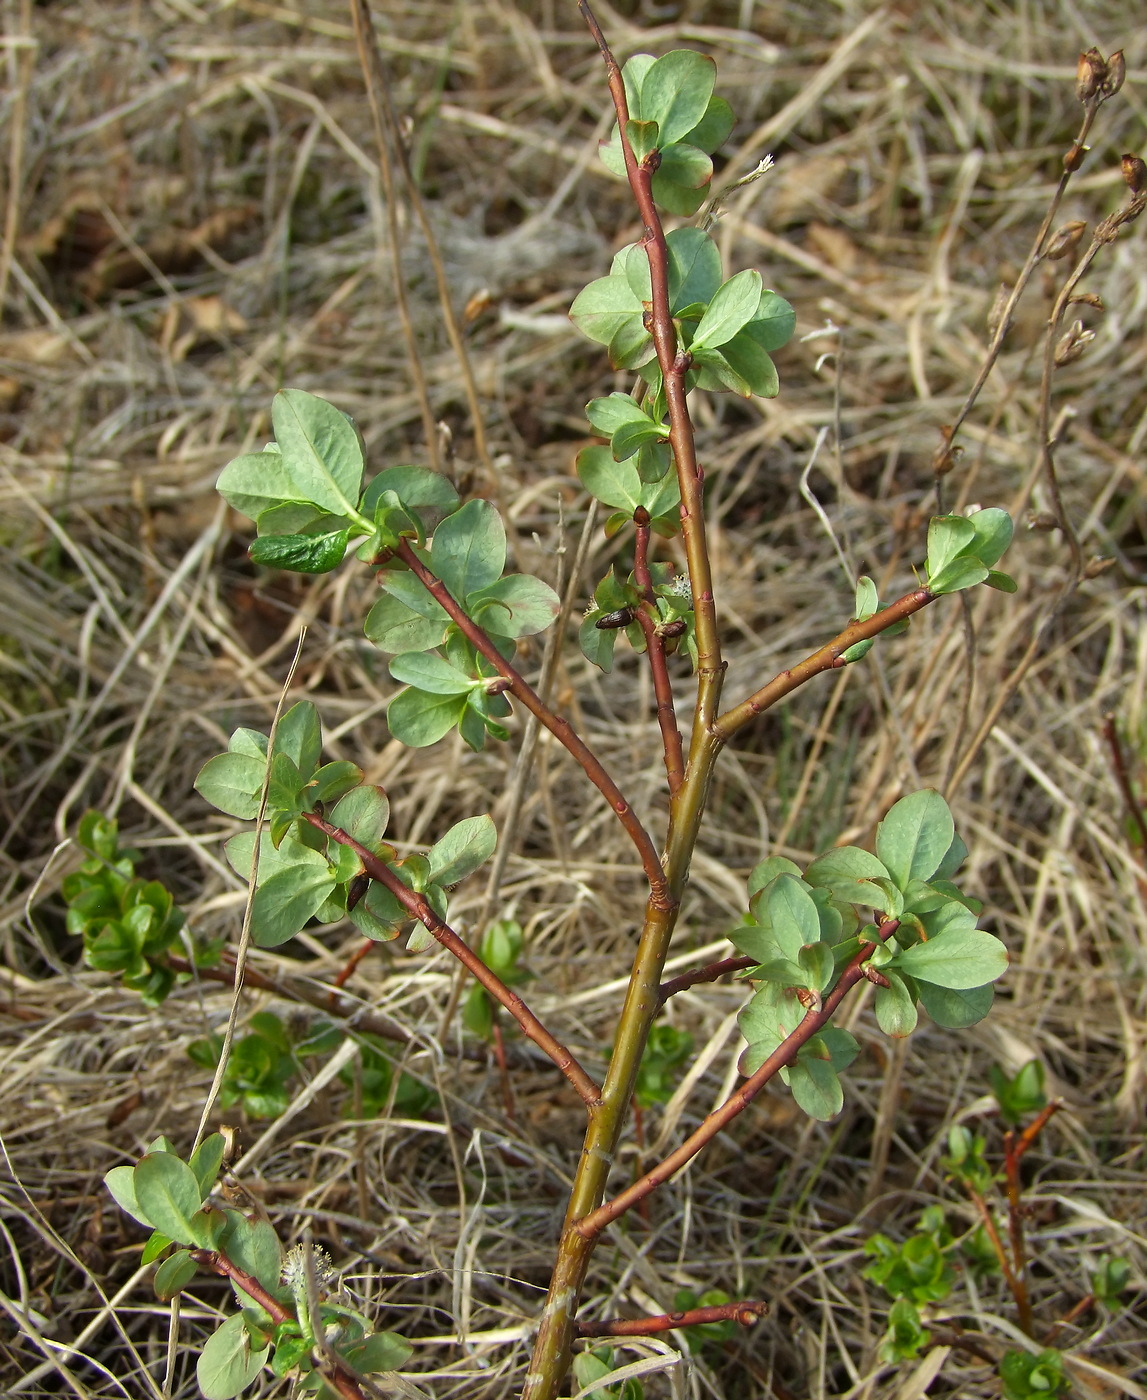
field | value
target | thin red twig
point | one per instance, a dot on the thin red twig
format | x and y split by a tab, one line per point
558	726
709	973
655	651
1123	778
745	1313
1014	1149
814	1020
419	908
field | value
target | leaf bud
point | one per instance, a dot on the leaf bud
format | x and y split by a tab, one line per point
1134	172
1097	565
1065	240
1116	72
676	628
1090	75
1092	299
1072	344
1044	521
1074	158
996	314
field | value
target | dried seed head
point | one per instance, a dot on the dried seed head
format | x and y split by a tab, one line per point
1065	240
946	456
1116	72
996	314
1134	172
295	1267
1090	75
1092	299
1072	343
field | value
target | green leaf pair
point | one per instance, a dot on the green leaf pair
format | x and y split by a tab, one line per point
963	548
672	110
728	327
259	1068
500	948
455	688
868	605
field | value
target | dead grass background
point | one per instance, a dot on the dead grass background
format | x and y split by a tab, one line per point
193	218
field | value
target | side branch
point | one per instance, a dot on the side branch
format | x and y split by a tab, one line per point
419	908
558	726
814	1021
828	658
655	650
709	973
746	1313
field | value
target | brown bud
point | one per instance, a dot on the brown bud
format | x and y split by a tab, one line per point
1134	172
1096	566
1065	240
1074	158
1072	343
1090	75
677	628
1116	72
996	314
1043	522
1092	299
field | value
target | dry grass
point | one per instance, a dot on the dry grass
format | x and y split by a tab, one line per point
194	218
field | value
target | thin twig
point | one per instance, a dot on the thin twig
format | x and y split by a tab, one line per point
558	726
1014	1149
655	651
709	973
814	1021
828	658
419	908
1123	778
746	1313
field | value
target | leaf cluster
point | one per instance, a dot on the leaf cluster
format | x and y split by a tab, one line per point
259	1068
665	1051
1033	1377
805	927
914	1274
1019	1094
962	550
172	1198
615	607
301	873
500	948
128	925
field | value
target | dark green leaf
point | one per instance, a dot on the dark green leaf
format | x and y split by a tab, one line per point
467	845
286	901
430	673
418	488
960	959
120	1182
233	782
468	550
381	1351
675	93
406	617
714	128
961	573
168	1194
816	1088
793	916
174	1274
321	450
299	735
994	531
767	871
915	836
363	813
895	1007
948	537
733	306
258	482
418	719
227	1364
301	554
206	1161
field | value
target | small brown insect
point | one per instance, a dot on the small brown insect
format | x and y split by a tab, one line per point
612	621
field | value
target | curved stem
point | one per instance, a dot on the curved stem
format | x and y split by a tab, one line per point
709	973
655	651
558	726
829	657
419	907
746	1313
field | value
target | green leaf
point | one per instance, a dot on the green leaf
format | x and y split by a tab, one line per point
363	813
467	845
684	166
948	537
895	1007
206	1161
767	871
956	576
233	782
406	617
418	488
286	901
174	1274
1003	582
793	916
301	554
752	365
168	1193
120	1182
430	673
418	719
846	872
734	305
714	128
642	137
915	836
960	959
607	311
258	482
299	735
675	93
378	914
228	1364
774	323
524	605
816	1088
381	1351
255	1247
956	1009
632	437
817	961
994	531
321	450
468	550
332	780
157	1244
618	484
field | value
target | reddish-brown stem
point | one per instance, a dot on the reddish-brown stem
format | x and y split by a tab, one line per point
746	1313
655	651
1076	1310
1016	1286
1014	1149
828	658
709	973
558	726
220	1264
814	1021
1123	778
674	367
419	908
498	1043
347	970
